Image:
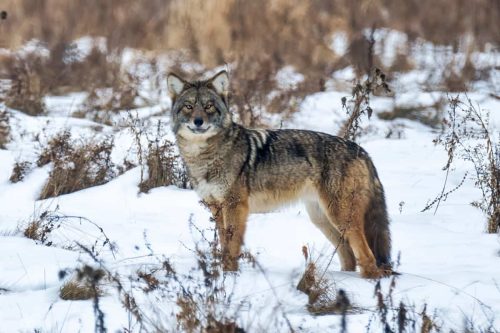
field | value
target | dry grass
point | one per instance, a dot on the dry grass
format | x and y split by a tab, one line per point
34	231
431	115
323	297
50	228
56	149
257	37
40	227
20	170
218	30
466	135
84	286
203	295
120	96
26	88
75	167
220	26
359	103
4	129
117	91
164	167
110	87
74	291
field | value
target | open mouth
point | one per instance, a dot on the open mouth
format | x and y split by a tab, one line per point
198	130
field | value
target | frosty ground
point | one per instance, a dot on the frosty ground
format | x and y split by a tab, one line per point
447	262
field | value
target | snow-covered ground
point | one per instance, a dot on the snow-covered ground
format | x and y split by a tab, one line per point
447	262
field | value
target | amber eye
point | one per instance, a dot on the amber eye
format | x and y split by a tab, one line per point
188	106
209	108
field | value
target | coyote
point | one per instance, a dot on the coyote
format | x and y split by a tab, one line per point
238	170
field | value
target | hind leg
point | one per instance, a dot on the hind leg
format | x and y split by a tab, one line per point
352	226
346	209
347	260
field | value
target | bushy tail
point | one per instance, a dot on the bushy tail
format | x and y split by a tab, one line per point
377	230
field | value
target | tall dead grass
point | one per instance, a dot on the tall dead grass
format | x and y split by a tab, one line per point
4	129
75	166
258	37
26	89
283	31
33	75
467	136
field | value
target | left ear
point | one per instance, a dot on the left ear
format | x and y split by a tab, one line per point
220	82
175	85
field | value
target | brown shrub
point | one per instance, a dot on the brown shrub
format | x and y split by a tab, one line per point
32	76
457	80
164	167
76	167
466	134
101	103
218	31
428	115
73	291
125	166
4	129
401	63
33	231
323	299
40	227
85	285
19	171
258	37
359	103
26	89
205	291
57	147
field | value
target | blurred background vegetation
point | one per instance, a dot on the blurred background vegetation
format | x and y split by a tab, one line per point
257	38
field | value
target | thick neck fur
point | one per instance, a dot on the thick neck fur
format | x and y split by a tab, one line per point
200	154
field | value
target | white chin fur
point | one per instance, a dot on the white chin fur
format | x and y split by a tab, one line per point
188	134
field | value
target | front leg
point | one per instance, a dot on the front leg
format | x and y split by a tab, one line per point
234	214
216	210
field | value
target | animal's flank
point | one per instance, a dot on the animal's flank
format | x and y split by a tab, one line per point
244	171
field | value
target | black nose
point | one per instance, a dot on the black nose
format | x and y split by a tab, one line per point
198	121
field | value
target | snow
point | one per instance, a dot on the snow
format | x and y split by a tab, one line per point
447	261
288	78
82	47
64	106
340	43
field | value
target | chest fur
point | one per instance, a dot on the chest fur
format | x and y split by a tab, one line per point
209	182
210	169
209	177
211	191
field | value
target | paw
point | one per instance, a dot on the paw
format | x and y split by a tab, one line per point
375	273
230	265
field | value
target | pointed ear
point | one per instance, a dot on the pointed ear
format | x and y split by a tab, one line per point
220	82
175	84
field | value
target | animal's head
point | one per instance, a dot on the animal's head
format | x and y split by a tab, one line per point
200	108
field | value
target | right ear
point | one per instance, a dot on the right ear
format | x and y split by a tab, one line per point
175	85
